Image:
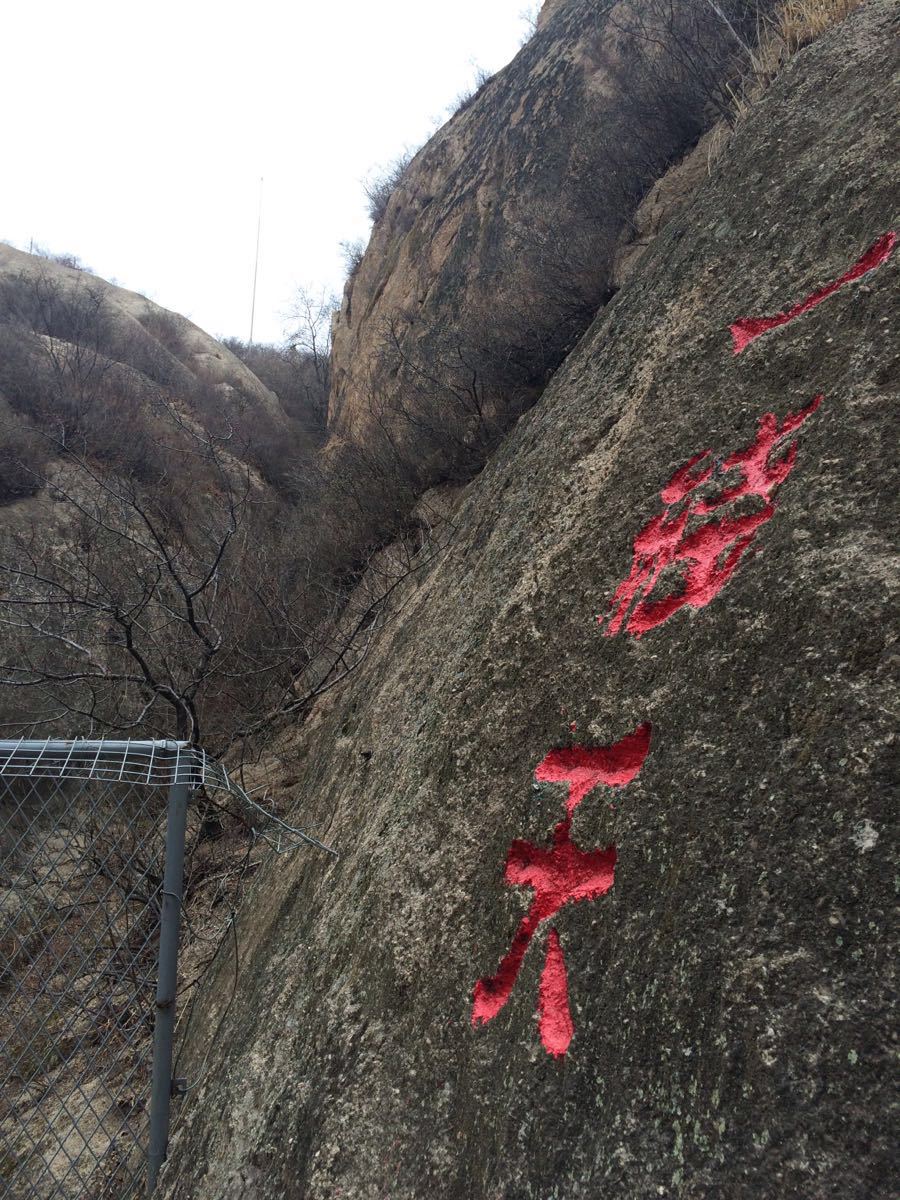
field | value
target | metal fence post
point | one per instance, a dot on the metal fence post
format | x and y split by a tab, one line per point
86	938
170	919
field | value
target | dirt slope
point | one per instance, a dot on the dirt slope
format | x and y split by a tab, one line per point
728	993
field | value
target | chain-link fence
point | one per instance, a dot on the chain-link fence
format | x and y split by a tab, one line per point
91	868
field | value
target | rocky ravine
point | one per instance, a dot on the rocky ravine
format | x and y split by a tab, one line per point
728	993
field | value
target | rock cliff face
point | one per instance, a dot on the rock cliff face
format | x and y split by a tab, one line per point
495	249
702	775
547	9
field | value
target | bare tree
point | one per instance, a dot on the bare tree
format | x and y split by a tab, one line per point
124	627
203	622
675	55
309	328
529	17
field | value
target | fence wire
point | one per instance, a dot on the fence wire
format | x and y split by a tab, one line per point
80	872
82	864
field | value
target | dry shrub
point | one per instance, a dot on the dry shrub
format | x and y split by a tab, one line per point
23	456
802	21
794	25
168	328
294	376
381	186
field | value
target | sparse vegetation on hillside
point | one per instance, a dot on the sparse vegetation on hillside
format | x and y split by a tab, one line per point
292	375
72	261
481	77
352	252
794	24
74	368
179	575
802	21
381	186
23	456
529	18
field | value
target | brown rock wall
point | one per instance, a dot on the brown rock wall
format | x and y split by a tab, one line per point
497	243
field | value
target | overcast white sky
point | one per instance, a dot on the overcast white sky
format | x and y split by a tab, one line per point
136	133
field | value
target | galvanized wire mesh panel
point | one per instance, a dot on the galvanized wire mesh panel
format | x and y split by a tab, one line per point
90	897
81	869
152	764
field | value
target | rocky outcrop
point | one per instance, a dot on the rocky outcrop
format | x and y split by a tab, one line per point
726	956
495	249
547	9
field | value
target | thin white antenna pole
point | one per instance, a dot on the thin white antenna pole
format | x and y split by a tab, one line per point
256	263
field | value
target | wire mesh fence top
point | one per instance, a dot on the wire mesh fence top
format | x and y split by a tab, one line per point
153	764
147	763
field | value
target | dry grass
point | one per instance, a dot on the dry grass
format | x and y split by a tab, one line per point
802	21
795	25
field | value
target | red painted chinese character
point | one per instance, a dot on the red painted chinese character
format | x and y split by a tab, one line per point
560	875
748	329
705	553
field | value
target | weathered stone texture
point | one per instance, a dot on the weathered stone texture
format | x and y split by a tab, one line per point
502	229
731	992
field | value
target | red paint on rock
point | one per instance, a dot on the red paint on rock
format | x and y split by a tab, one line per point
748	329
561	875
710	552
583	767
555	1025
686	478
564	873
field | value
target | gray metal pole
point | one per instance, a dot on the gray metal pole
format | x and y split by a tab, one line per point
170	919
255	265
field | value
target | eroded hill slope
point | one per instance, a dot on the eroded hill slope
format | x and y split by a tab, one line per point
141	460
185	343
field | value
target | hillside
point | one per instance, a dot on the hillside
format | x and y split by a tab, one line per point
647	680
108	331
155	502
